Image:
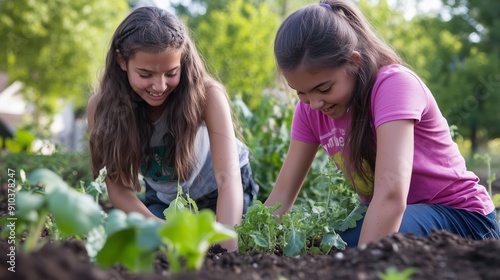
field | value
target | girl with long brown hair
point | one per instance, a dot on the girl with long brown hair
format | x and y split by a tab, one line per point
381	126
159	114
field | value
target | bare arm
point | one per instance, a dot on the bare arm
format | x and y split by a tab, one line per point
292	175
393	168
225	161
121	197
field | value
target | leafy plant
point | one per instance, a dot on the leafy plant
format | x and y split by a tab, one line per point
491	176
64	209
312	225
185	237
259	230
132	241
188	233
97	188
72	167
188	236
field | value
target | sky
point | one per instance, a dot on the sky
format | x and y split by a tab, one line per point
410	5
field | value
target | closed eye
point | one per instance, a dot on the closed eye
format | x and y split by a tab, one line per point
325	90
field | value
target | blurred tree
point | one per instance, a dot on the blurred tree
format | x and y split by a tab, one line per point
472	82
452	50
54	48
237	43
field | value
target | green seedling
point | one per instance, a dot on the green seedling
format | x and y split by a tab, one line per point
392	273
187	237
188	233
132	240
71	212
298	231
97	188
259	229
491	176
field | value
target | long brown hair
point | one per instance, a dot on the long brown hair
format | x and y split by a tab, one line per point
320	36
120	138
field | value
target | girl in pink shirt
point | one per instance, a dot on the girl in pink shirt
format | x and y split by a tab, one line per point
381	126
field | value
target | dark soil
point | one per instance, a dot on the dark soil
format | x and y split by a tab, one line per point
438	256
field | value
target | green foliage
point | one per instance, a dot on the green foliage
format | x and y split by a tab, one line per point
298	231
491	176
72	167
391	273
267	133
97	188
239	50
21	142
188	233
132	241
188	236
259	230
68	211
327	206
185	237
54	48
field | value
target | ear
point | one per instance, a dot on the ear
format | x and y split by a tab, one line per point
121	61
356	58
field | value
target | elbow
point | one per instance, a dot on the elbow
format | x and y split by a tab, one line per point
394	200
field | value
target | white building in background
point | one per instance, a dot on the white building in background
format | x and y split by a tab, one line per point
68	131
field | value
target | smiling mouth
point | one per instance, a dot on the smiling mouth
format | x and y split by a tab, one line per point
328	109
155	94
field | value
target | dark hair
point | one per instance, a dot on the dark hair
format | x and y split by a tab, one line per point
121	134
317	37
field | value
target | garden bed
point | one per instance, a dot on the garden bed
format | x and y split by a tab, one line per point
438	256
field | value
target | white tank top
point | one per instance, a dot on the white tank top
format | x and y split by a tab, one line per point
202	179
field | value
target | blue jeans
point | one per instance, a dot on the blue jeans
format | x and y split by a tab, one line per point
421	219
209	201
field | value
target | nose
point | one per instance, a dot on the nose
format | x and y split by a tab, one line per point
316	102
160	84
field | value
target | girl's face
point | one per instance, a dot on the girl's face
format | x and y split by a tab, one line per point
328	90
153	76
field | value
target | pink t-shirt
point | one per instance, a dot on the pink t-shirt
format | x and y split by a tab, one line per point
439	173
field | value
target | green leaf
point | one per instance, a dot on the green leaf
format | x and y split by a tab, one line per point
29	205
120	248
116	221
74	213
259	240
332	239
353	217
135	219
496	200
47	177
294	243
147	236
188	235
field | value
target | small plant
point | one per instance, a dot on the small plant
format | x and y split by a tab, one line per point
392	273
188	233
185	237
297	232
97	188
131	240
491	178
259	230
311	227
60	208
